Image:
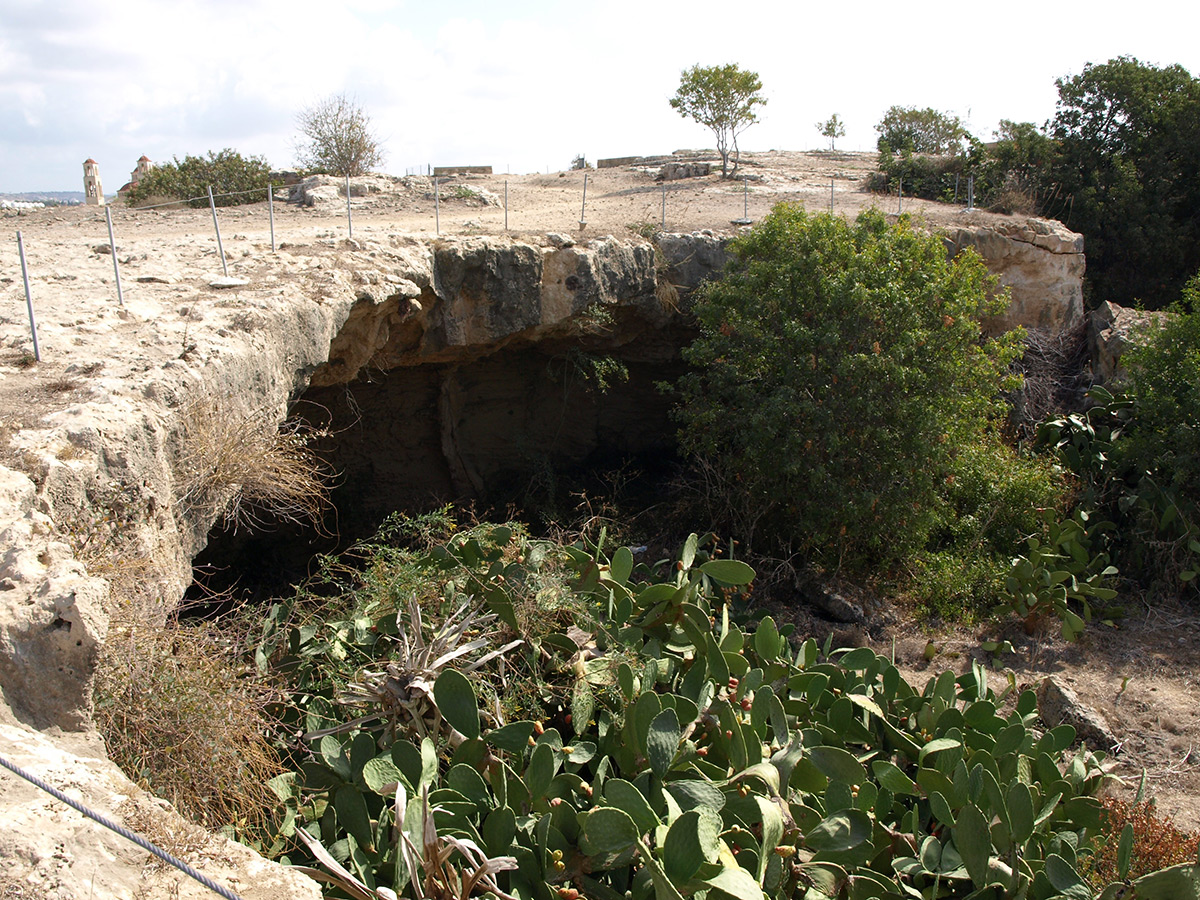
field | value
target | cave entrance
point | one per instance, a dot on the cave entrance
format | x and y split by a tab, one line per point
511	430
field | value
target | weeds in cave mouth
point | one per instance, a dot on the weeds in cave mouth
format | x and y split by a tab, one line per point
244	468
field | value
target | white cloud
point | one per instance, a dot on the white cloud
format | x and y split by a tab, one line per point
526	84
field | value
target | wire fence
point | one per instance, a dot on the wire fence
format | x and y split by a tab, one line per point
122	831
267	192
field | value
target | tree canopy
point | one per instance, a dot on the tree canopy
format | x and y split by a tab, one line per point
832	128
722	98
337	138
234	179
906	129
1128	154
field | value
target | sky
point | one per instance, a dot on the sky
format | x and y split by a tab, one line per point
524	85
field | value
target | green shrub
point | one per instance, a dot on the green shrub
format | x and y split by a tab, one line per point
1138	453
991	507
1165	387
906	129
189	179
838	376
927	177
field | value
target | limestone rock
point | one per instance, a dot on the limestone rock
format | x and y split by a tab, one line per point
673	171
1042	264
832	601
326	190
53	851
693	259
1112	330
1058	704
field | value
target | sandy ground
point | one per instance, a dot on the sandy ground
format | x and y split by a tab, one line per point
94	352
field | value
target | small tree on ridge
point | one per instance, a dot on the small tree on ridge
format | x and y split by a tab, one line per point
723	99
832	128
338	138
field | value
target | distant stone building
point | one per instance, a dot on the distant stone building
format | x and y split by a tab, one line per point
143	167
93	191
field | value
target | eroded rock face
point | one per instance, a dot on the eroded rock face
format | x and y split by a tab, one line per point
1041	263
50	850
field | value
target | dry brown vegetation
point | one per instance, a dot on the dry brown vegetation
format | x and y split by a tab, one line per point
242	467
186	721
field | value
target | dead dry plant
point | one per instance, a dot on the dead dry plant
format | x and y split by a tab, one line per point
1055	372
246	469
186	720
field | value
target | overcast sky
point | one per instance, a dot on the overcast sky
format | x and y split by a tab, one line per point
525	85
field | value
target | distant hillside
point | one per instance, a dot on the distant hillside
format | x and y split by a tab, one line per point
45	196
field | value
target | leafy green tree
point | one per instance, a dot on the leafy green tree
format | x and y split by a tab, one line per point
722	98
832	128
1128	138
906	129
838	374
337	138
1160	450
242	179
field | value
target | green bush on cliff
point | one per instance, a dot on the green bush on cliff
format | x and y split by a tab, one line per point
841	394
188	180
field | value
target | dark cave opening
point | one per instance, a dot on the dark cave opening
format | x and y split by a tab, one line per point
516	432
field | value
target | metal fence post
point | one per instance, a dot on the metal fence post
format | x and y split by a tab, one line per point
506	206
583	209
745	219
212	204
112	245
437	208
970	193
349	221
271	211
37	354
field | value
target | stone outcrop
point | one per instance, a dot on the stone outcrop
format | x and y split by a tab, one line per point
325	190
1040	261
1112	330
49	850
674	171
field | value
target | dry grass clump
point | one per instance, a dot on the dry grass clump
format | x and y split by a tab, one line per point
1055	375
186	720
1157	843
243	467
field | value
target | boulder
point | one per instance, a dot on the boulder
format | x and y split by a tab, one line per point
673	171
1111	331
1040	261
693	259
1058	704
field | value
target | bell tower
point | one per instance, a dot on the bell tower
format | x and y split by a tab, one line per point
92	189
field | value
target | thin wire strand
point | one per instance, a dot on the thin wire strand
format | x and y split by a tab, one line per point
124	832
263	190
